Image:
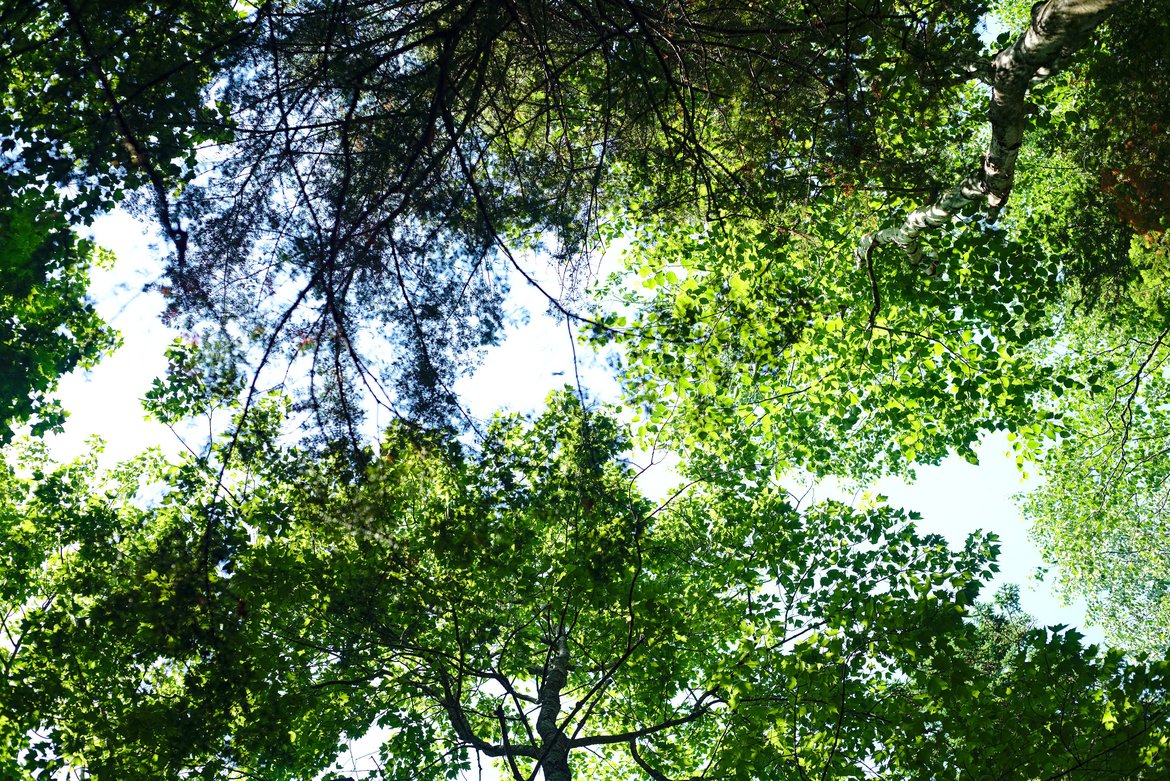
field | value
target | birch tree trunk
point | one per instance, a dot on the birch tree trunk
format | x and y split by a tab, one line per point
1058	28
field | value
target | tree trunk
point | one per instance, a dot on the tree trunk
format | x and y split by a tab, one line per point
555	751
1058	28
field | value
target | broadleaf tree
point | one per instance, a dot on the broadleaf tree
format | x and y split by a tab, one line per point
1099	516
1097	202
804	339
883	333
342	185
82	124
521	602
50	326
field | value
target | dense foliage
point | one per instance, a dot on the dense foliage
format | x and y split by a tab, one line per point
371	168
823	272
49	326
747	345
76	117
523	602
780	350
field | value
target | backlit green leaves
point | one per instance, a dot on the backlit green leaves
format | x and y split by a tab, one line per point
1074	712
1100	515
100	96
254	621
806	360
48	327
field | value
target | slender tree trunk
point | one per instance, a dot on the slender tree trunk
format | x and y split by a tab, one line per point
1057	30
555	751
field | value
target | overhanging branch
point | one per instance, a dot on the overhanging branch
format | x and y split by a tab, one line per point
1058	28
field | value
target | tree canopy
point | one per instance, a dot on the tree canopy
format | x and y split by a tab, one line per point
372	167
885	333
857	236
521	602
49	327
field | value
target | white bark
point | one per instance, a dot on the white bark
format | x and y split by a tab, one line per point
1058	28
